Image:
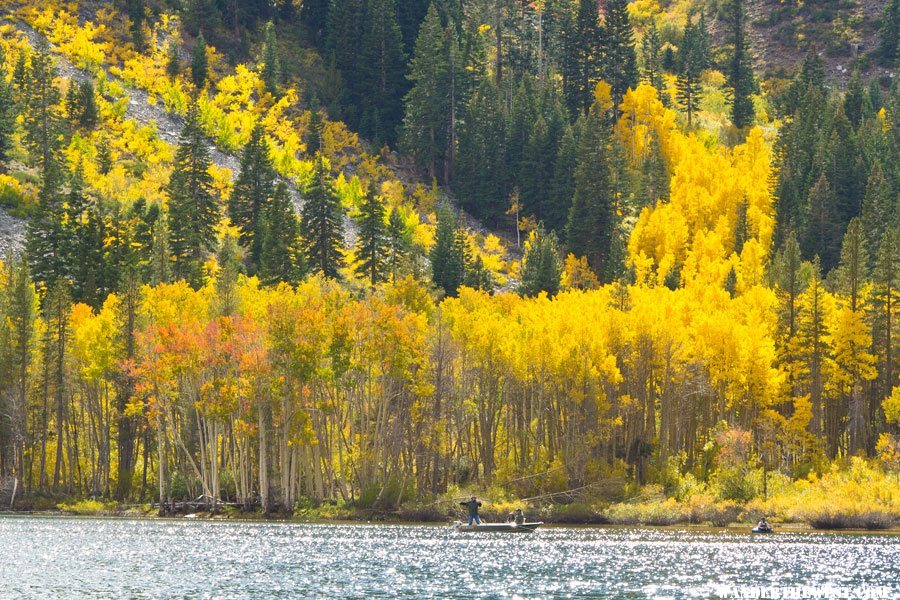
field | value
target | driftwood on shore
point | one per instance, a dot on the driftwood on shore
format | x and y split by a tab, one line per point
9	486
201	503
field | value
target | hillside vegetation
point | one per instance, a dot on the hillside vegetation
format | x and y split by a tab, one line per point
233	287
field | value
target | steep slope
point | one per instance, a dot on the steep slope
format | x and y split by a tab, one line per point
89	44
843	32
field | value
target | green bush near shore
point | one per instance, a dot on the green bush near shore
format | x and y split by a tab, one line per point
89	508
858	495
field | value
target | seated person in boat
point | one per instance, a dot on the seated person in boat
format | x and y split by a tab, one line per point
763	525
473	504
516	517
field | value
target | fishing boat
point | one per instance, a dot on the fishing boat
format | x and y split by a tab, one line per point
499	527
762	530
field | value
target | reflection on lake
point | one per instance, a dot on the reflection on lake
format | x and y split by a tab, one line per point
103	558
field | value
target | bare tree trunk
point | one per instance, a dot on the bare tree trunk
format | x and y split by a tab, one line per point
264	497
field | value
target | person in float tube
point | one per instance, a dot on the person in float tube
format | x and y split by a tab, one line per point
763	525
517	517
473	505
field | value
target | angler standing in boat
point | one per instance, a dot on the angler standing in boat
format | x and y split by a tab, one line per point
473	504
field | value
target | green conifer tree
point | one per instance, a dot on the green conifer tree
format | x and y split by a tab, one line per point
46	242
654	179
320	223
688	91
41	97
136	18
8	113
173	62
399	243
478	277
563	183
741	81
271	72
314	133
651	54
200	15
252	190
193	210
704	44
536	177
447	255
81	105
855	100
199	63
314	15
429	118
890	34
343	35
541	265
593	212
581	65
382	73
480	180
85	234
882	311
373	248
229	261
281	257
104	157
619	57
160	253
879	205
821	236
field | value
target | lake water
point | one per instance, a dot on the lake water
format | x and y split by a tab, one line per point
111	558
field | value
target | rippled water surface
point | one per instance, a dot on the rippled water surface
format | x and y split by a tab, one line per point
105	558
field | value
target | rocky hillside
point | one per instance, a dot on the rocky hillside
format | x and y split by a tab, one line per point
843	32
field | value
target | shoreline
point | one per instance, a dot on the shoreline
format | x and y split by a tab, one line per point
736	527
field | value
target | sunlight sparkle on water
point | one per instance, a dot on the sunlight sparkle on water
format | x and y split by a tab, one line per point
93	558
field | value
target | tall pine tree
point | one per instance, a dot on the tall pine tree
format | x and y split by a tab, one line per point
480	179
381	73
46	240
448	261
199	62
430	106
281	257
889	49
651	54
541	265
40	113
373	247
593	212
619	57
193	210
741	82
581	61
252	190
86	233
320	223
8	112
271	72
399	243
688	91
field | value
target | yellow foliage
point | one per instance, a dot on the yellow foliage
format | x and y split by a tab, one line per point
641	12
891	407
603	95
577	274
696	228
